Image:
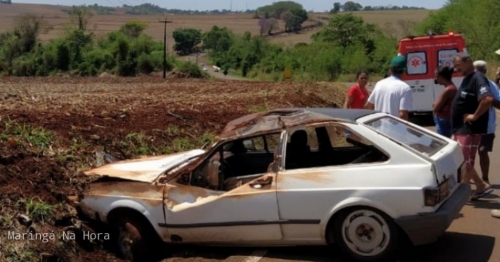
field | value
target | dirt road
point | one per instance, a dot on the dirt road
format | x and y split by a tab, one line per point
202	58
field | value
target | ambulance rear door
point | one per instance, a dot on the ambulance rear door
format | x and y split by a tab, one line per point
420	74
447	48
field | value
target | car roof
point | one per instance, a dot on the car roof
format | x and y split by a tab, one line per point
277	119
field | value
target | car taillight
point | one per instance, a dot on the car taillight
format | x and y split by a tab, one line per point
434	196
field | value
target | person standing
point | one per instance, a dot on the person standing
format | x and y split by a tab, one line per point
469	118
486	144
392	95
442	106
358	94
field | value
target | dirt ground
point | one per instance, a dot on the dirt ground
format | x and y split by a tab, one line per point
50	129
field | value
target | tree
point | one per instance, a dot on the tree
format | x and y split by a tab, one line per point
294	19
268	25
133	29
80	16
346	30
217	40
27	27
473	19
277	8
352	6
336	8
186	39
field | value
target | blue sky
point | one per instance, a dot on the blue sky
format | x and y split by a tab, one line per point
316	5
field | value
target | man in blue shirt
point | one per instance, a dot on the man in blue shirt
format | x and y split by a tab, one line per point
487	139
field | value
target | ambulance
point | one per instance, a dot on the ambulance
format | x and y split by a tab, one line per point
424	54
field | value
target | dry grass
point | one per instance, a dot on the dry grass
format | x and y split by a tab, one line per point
239	23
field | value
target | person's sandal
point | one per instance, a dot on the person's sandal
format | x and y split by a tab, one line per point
478	195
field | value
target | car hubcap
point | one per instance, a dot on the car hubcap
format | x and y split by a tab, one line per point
126	237
366	233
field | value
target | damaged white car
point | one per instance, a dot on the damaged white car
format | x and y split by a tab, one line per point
358	178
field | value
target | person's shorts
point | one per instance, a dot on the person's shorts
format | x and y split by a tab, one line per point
469	145
486	143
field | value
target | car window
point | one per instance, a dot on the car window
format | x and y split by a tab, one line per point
403	133
329	145
260	143
341	136
312	139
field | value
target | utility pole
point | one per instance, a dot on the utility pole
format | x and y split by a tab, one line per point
165	22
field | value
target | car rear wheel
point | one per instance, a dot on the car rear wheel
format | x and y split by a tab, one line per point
134	239
366	234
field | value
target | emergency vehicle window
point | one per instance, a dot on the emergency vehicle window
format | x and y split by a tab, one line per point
417	63
445	57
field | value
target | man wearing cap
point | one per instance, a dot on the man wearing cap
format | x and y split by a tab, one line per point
469	118
486	144
391	95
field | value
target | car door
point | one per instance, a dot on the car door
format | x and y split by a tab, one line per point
246	214
307	194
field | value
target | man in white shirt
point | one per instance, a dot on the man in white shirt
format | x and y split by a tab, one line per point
391	95
486	144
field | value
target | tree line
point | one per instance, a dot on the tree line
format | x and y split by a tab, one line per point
125	52
152	9
344	45
351	6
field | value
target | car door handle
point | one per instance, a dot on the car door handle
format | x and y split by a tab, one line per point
259	183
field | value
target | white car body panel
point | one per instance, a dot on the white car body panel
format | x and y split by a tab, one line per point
294	209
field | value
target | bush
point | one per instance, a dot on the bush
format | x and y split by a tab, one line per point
190	69
146	64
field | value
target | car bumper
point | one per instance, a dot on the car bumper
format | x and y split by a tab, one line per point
426	229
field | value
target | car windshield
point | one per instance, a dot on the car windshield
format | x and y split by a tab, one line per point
403	133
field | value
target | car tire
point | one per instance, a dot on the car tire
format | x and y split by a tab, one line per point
134	238
366	234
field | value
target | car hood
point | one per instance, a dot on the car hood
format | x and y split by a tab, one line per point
145	169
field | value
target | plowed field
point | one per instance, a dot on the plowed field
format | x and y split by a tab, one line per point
50	129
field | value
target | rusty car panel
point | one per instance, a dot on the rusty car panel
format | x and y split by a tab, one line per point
272	121
146	170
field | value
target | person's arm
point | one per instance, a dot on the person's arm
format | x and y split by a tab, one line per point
370	102
484	95
349	98
496	95
442	100
406	103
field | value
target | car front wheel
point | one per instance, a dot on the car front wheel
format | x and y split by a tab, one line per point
366	234
134	240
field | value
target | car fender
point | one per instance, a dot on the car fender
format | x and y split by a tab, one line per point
130	204
355	201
